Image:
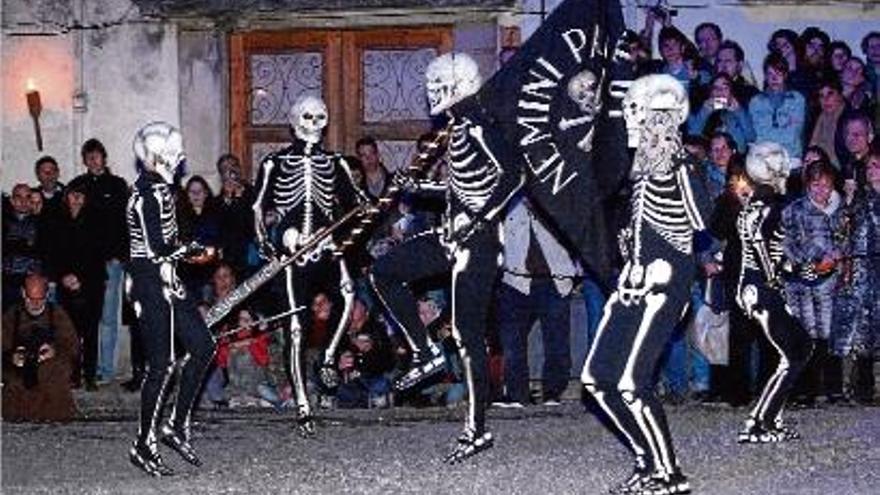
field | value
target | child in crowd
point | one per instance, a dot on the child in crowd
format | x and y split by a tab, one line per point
244	355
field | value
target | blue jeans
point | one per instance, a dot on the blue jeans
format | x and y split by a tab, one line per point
516	313
110	320
595	303
215	385
683	363
359	392
675	369
700	368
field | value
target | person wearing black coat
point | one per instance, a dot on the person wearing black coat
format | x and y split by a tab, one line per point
74	260
106	197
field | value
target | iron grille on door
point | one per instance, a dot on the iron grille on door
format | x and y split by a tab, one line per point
372	81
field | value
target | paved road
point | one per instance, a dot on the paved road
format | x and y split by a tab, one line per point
539	450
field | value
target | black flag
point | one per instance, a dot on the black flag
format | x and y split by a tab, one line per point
551	101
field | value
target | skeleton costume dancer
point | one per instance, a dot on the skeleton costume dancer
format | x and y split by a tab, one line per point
307	189
166	314
468	244
759	291
669	204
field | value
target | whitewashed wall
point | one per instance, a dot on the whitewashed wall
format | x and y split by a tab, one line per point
204	101
48	64
127	70
125	96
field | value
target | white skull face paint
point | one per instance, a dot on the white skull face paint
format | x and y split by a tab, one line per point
449	79
582	90
308	118
768	163
654	93
159	146
654	107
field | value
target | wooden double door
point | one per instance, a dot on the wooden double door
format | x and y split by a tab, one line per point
371	79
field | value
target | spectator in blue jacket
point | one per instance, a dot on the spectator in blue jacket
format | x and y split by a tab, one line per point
778	113
725	112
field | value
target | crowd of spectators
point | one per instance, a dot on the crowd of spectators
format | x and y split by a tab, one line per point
819	100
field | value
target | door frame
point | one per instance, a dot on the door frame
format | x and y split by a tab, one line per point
341	85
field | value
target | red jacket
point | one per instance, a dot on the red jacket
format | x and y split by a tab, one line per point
258	347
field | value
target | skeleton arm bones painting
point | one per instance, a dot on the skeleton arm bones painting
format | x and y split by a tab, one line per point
303	189
166	314
669	205
759	291
468	244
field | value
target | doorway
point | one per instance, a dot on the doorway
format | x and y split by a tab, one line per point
372	81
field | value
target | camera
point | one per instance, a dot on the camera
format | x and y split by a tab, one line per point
719	103
662	11
30	346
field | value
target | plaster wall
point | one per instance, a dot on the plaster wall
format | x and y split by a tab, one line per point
204	100
46	63
123	69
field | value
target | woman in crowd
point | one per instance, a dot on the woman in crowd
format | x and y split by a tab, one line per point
831	105
786	43
74	260
233	209
856	329
838	53
199	222
778	113
722	157
856	88
732	117
244	355
223	281
812	224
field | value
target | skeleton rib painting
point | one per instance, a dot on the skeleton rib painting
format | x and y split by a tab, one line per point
304	189
538	126
668	207
759	291
477	192
166	314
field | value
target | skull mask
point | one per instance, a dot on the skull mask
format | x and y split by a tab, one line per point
159	146
308	117
649	94
582	90
450	78
768	163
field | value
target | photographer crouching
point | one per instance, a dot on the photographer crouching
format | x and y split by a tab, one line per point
39	352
